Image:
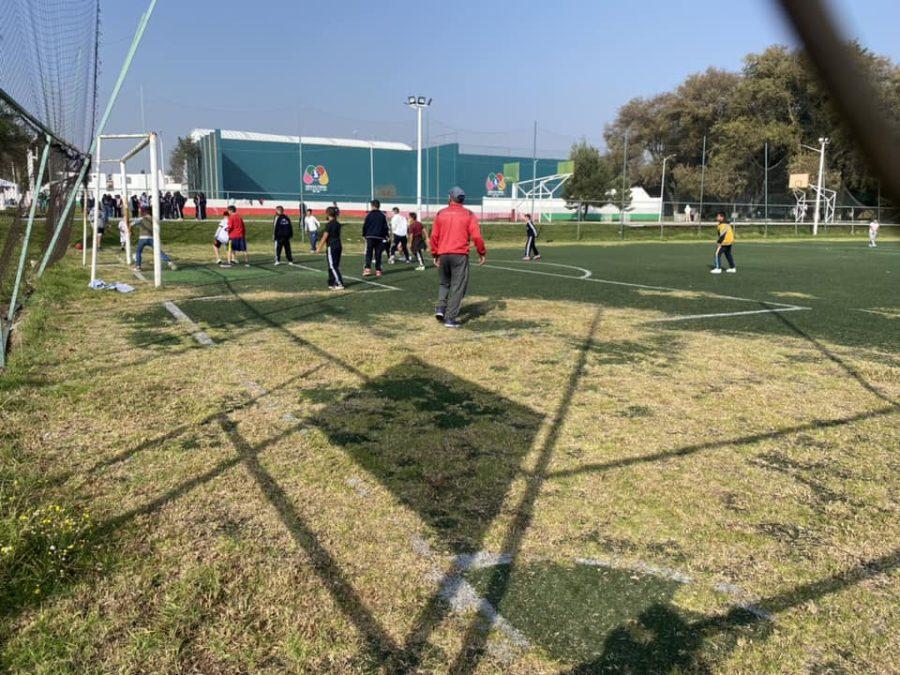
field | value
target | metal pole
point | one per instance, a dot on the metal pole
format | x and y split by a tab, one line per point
125	212
624	179
766	189
817	211
702	185
534	169
878	207
96	213
84	225
371	169
419	161
662	197
154	200
142	26
11	310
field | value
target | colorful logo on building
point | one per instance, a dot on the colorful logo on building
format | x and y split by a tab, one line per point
495	185
315	178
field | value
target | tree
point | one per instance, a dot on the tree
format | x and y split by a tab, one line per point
775	99
184	154
593	180
14	142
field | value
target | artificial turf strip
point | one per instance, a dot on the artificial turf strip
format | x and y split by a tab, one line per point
255	504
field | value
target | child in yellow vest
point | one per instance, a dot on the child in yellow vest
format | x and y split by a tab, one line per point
723	244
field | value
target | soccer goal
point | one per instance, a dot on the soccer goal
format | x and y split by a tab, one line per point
145	140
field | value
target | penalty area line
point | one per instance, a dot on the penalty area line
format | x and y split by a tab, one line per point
690	317
385	287
180	316
628	284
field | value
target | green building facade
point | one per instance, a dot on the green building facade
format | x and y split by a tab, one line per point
241	165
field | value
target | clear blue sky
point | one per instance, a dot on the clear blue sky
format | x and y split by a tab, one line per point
344	68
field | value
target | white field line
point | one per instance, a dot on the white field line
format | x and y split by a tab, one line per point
385	287
139	276
690	317
585	273
198	334
207	298
883	315
774	306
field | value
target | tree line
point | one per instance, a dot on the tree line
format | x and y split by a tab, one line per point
775	100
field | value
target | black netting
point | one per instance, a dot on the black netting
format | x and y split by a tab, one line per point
48	63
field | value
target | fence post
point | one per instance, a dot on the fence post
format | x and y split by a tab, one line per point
5	330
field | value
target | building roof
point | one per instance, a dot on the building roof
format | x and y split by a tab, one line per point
197	134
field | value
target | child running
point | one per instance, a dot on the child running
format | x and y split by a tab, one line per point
283	231
418	235
724	244
220	240
531	233
237	236
331	242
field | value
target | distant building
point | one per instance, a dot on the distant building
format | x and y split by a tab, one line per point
246	165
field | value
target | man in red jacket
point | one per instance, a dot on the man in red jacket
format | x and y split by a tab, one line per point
453	229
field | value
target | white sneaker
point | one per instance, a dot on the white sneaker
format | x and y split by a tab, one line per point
526	258
420	268
716	270
277	263
291	264
391	260
732	270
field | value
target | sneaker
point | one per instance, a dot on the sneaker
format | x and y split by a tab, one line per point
377	274
420	268
732	270
391	260
338	288
138	269
408	261
439	315
277	263
367	272
291	263
173	266
716	270
526	258
246	264
226	265
537	257
218	262
452	323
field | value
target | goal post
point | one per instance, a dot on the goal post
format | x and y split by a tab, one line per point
145	141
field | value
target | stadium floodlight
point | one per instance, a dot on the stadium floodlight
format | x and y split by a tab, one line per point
419	103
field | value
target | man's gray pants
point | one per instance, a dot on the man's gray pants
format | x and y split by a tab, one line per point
453	271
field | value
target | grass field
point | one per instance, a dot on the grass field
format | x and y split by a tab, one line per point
620	463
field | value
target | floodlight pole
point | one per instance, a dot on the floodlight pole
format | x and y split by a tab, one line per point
419	103
816	214
371	170
154	194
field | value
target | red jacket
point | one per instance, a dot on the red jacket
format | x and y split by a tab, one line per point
453	228
236	229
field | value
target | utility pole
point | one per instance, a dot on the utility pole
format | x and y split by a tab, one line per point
534	169
624	182
702	185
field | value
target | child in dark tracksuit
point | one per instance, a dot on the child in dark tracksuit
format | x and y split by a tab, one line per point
283	231
531	251
375	231
417	235
331	242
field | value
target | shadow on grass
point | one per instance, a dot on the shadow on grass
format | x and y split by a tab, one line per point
446	448
613	620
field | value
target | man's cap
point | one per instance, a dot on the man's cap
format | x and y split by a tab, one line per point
457	194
